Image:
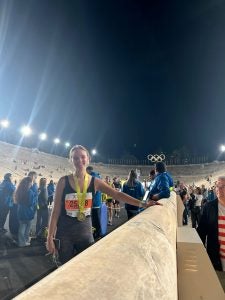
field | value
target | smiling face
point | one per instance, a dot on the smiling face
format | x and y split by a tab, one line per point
80	159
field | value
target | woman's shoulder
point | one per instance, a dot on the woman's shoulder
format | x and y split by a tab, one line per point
63	179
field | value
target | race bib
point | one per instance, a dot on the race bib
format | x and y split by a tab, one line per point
72	207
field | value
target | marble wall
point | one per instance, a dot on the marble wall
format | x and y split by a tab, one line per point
136	261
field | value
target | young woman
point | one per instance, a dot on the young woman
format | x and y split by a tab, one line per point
42	212
70	220
27	204
134	188
184	198
197	208
109	201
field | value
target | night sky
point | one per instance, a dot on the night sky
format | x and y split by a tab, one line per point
122	76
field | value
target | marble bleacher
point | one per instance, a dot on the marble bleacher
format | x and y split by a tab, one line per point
19	160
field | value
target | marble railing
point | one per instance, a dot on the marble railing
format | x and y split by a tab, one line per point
136	261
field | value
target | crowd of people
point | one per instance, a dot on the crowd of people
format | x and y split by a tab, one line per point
194	197
206	208
22	203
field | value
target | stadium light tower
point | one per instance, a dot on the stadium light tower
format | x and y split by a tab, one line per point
67	144
4	123
56	141
26	130
43	136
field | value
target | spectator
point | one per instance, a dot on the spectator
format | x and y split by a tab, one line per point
152	176
26	200
134	188
7	189
204	192
211	226
42	209
34	186
191	205
51	191
116	203
162	184
211	194
109	200
196	211
184	198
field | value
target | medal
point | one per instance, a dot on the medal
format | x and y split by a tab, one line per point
81	216
81	197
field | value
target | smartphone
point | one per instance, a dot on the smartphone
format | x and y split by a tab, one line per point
57	243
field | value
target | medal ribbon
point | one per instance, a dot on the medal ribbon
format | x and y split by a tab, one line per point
81	196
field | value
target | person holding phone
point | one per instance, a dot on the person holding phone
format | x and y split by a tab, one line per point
70	221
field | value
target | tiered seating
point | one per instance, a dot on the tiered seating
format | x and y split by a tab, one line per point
19	161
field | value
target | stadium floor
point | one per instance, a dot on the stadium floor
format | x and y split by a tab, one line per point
22	267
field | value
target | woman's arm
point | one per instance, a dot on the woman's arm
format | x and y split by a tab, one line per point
105	188
55	215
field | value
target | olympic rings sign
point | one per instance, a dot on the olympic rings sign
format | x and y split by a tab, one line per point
156	157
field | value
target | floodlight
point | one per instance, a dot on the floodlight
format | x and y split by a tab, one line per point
56	140
222	148
26	130
5	123
93	151
67	144
43	136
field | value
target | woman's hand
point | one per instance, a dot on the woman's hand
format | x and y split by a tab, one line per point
50	245
152	203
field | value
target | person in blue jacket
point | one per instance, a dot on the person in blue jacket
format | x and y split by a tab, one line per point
7	189
34	186
27	204
163	183
134	188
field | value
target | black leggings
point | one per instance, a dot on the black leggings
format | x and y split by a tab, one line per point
195	216
75	236
96	221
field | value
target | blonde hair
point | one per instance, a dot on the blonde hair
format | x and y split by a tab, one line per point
75	147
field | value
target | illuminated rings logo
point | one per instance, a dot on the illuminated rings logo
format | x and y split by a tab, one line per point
156	157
